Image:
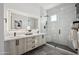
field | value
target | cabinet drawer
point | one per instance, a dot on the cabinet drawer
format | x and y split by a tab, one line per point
31	39
31	43
31	46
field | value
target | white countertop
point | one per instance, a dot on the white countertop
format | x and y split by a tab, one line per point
22	36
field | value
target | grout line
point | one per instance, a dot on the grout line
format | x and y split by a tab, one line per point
50	45
66	51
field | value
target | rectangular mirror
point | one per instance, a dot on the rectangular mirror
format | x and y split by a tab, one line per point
18	21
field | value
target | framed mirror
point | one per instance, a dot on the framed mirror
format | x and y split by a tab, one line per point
18	21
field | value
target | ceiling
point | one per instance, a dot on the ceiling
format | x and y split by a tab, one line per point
48	5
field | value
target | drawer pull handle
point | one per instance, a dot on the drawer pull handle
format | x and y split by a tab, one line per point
33	46
42	36
33	37
33	42
17	42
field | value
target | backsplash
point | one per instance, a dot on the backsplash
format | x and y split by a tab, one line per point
19	32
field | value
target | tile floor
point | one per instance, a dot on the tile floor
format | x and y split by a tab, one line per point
62	46
47	50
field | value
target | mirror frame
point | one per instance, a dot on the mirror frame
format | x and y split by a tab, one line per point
19	13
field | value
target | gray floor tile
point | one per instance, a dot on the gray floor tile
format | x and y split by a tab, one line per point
45	50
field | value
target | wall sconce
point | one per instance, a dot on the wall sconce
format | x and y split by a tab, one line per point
5	19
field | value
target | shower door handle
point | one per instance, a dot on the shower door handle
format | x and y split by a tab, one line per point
59	31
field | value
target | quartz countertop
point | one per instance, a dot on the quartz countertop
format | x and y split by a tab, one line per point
22	36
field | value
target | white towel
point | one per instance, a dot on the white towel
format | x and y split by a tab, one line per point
74	38
78	38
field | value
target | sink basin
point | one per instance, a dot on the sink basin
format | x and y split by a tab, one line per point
28	33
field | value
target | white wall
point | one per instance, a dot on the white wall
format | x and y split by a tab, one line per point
28	8
1	29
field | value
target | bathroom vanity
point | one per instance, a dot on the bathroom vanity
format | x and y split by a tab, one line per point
18	41
24	43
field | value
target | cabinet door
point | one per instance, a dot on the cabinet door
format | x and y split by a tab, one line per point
21	46
31	43
37	41
26	45
41	40
6	47
15	47
78	51
12	47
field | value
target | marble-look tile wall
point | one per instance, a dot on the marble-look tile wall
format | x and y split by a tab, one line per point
66	14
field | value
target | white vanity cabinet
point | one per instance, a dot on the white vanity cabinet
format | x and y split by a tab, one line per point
10	47
23	45
14	47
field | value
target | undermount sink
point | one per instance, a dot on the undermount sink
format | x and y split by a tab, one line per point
28	33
